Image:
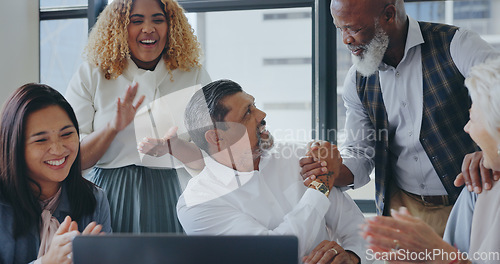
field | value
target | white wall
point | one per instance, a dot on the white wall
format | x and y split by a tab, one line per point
19	48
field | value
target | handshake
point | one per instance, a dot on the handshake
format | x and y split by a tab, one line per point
321	165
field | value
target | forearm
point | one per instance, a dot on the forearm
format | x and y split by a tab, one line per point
95	145
344	178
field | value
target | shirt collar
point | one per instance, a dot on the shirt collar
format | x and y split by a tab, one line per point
132	70
223	173
413	39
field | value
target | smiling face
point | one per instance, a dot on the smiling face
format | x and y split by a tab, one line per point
361	33
245	129
51	147
476	128
147	33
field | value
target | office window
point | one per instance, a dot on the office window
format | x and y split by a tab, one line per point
64	27
270	58
61	47
62	3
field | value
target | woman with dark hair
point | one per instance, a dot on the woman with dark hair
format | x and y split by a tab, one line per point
41	186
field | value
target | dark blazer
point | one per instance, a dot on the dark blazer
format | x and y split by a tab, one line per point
25	249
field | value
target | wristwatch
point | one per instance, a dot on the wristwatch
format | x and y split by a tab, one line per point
320	187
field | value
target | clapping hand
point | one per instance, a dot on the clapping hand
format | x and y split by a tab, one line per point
125	109
158	146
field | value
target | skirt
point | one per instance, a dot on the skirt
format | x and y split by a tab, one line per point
141	199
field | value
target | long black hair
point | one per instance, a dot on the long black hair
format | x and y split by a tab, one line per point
15	186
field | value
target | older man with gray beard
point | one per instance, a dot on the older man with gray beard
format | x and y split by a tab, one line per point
406	107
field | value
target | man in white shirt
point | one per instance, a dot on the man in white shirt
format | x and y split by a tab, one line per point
251	187
406	108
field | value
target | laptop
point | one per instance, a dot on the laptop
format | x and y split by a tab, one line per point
183	249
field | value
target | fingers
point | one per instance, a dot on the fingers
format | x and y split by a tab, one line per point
316	168
374	229
382	243
459	181
471	171
92	229
64	226
131	93
486	177
171	133
332	254
465	171
62	240
97	230
341	258
323	252
475	175
73	226
139	103
496	175
389	226
306	160
130	96
153	147
89	228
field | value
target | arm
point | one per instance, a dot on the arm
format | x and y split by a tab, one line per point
218	217
344	218
188	153
459	224
357	150
97	143
467	49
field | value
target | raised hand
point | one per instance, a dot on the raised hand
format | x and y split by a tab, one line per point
158	146
61	246
125	109
403	232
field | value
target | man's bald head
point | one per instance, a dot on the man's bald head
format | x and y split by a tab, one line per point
372	8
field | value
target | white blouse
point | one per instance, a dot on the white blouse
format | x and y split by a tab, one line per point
94	98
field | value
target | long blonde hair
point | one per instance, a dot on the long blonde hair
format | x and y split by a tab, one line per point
108	49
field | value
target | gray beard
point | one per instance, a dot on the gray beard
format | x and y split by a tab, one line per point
368	63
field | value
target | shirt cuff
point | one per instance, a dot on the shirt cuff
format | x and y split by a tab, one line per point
360	173
317	200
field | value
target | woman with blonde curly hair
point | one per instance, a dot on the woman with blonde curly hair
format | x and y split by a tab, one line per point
131	50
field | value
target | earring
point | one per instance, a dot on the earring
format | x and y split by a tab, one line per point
498	149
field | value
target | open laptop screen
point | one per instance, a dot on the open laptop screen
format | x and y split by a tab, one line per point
183	249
